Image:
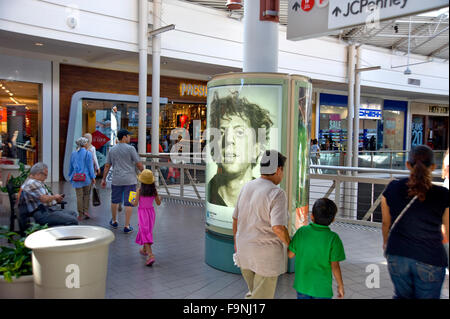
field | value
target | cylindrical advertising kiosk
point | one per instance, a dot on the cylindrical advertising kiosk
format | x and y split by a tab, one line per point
248	113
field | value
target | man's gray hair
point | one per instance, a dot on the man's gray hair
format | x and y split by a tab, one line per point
37	168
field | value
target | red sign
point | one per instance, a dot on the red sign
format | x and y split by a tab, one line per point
99	139
307	5
322	3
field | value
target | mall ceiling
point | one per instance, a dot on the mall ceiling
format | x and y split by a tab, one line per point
19	94
429	32
431	40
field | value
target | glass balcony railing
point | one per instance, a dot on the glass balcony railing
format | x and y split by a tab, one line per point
372	159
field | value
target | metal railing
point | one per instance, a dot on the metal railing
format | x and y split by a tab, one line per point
177	179
356	190
387	159
357	196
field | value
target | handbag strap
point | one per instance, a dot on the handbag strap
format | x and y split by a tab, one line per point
402	213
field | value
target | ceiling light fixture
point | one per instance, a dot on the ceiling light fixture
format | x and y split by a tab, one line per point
39	44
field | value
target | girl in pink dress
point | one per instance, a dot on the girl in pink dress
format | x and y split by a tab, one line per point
145	196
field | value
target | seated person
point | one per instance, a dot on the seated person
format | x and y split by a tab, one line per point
41	205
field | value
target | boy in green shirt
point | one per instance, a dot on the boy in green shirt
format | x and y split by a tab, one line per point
318	251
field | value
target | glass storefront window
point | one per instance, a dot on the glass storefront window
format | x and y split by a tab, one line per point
437	132
368	137
20	118
333	125
176	115
103	119
393	129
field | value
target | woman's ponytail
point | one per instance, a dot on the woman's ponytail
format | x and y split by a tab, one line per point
420	180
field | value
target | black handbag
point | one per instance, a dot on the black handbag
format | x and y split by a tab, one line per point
95	197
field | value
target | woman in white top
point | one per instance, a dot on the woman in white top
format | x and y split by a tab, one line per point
91	148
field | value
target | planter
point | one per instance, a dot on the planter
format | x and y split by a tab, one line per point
19	288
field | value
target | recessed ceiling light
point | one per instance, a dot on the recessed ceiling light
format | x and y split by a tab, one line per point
39	44
10	94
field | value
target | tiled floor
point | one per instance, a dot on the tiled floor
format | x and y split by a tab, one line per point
180	271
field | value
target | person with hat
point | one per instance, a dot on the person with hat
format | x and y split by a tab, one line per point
145	196
124	158
82	176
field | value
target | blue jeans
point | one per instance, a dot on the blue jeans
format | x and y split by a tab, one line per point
413	279
303	296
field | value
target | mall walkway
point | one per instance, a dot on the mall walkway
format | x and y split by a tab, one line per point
180	271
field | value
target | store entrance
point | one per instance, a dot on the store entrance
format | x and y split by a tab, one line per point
20	117
437	132
103	119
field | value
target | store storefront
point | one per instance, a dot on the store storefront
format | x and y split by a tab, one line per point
381	126
394	124
26	116
20	109
430	125
101	102
333	121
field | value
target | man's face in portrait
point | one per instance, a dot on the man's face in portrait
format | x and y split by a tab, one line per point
236	148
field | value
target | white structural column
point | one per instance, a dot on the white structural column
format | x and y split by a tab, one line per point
260	41
349	197
143	52
351	103
357	106
55	122
156	75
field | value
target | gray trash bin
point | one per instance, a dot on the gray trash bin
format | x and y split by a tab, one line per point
70	261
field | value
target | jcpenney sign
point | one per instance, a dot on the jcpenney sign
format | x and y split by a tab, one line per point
354	12
339	14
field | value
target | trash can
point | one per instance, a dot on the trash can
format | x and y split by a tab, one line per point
70	262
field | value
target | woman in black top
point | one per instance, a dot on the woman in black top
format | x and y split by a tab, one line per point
414	250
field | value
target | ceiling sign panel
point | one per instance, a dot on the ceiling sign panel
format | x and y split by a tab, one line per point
328	17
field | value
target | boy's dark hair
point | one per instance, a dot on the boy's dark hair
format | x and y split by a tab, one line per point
270	161
324	211
148	190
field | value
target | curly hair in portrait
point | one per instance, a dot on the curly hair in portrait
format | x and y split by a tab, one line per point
421	158
232	104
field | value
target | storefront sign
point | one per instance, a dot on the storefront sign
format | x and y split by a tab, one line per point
438	109
99	139
417	131
193	90
370	114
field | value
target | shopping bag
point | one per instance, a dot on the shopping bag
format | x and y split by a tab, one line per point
95	197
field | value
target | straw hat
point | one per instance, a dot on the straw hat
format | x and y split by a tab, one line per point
146	177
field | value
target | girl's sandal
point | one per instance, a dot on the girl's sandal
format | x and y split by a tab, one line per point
142	252
150	260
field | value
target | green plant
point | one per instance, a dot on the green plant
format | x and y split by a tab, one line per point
15	259
16	182
19	180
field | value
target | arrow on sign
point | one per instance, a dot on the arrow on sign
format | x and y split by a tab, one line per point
296	6
336	11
